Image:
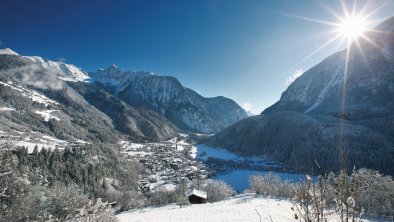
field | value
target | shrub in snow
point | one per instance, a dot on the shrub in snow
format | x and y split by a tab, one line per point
68	203
161	196
132	199
59	203
375	192
270	185
218	190
309	200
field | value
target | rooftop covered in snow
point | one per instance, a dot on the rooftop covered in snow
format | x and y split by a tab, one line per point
198	193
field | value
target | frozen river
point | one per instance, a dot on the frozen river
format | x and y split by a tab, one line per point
239	178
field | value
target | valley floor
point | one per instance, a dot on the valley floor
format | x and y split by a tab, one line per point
240	208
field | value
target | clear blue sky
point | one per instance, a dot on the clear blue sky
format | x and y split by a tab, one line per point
244	49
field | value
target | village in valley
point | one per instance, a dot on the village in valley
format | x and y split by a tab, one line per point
166	164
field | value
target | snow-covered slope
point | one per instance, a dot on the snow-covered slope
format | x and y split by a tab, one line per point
34	95
240	208
66	72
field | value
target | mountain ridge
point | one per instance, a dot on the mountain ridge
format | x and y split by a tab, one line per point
71	87
167	96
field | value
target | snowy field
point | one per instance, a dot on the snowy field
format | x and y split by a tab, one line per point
240	208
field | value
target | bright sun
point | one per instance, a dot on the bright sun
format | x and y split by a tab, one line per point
352	27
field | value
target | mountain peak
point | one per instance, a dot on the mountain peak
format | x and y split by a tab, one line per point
110	69
8	51
113	66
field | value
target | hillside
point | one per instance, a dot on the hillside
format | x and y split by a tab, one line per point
334	115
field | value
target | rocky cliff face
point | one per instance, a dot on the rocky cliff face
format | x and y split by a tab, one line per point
165	95
341	112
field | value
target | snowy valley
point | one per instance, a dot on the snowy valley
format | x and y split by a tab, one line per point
122	143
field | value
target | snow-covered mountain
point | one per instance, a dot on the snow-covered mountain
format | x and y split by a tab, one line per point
64	71
7	51
165	95
64	101
56	99
330	115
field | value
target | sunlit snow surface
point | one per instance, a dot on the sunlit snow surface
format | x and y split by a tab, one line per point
6	109
240	208
46	114
65	72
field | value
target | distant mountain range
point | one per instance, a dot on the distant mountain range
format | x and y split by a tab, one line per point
61	100
165	95
329	117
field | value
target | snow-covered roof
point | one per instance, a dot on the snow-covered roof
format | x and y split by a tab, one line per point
198	193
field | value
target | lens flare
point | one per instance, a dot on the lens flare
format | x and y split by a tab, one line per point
352	27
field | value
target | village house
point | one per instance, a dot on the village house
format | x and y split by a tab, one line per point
197	196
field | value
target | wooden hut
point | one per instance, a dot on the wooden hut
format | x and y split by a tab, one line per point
197	196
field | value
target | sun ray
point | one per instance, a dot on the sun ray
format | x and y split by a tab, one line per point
331	11
375	10
308	56
365	37
318	49
377	31
344	8
306	18
341	142
360	49
354	7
